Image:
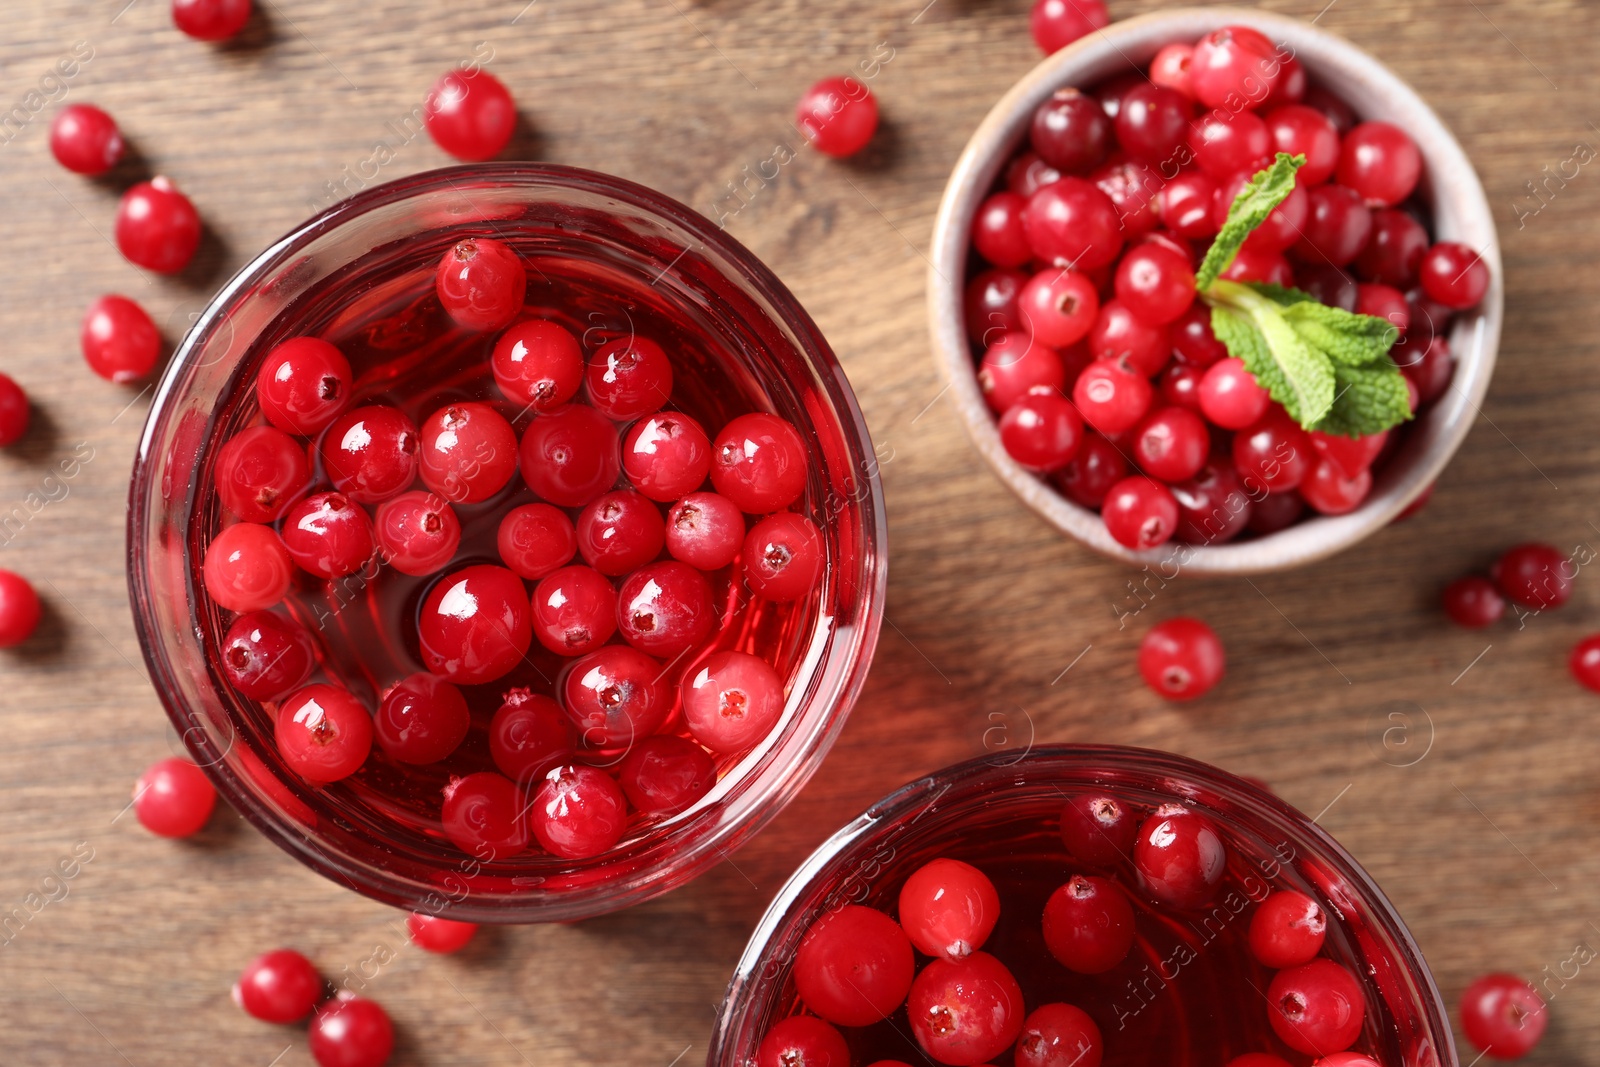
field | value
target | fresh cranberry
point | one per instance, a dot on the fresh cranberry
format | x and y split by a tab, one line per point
1282	227
803	1041
1535	575
483	816
1228	142
157	227
303	385
1384	302
1337	1059
1153	124
965	1011
1027	174
434	933
1180	386
1041	431
1170	68
1337	226
666	456
481	283
574	611
120	341
1327	284
1273	454
265	655
1015	365
247	568
1071	223
210	20
1290	85
1255	264
578	812
469	114
615	696
1187	205
1156	284
704	530
1135	191
350	1031
1304	131
665	775
1429	318
1233	68
259	473
85	139
783	557
838	116
421	720
993	304
997	232
732	701
1333	107
1171	444
323	733
467	453
1474	602
1092	472
948	908
1317	1007
1180	856
1059	1035
1058	307
537	363
1584	661
1380	162
327	535
1140	513
570	456
1181	658
1275	511
280	986
1264	1059
535	540
173	798
1088	925
1394	251
665	609
1193	342
475	625
1071	133
1097	829
1330	491
1213	506
1454	275
619	532
854	966
1351	455
14	411
529	736
759	463
370	453
1503	1016
1057	23
417	533
1112	396
1431	371
1287	930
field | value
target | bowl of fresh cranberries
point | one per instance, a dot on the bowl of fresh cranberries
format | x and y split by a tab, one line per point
1075	905
506	542
1214	288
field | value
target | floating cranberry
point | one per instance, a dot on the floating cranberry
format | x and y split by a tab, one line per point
1140	513
421	720
803	1041
85	139
1112	396
370	453
157	227
246	567
1454	275
1274	454
1041	431
1535	575
280	986
1058	307
120	341
328	535
14	411
1181	658
434	933
666	456
1071	223
1088	925
1228	142
1317	1007
475	625
1059	1035
1213	506
965	1012
997	231
1381	162
620	532
483	816
210	20
538	364
303	384
783	557
1233	67
759	463
1180	857
1057	23
578	812
467	453
665	775
1098	829
948	908
529	736
664	609
570	456
350	1031
628	378
1071	133
266	655
1171	444
1188	203
1473	602
1287	930
732	701
417	533
536	540
323	733
854	966
615	696
1014	366
838	116
173	798
705	530
259	473
1393	253
1503	1016
481	282
574	611
469	114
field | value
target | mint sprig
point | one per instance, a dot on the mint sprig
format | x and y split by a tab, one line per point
1329	368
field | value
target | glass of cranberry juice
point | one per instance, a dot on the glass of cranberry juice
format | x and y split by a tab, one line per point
608	260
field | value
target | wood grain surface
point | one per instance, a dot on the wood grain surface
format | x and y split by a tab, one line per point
1459	767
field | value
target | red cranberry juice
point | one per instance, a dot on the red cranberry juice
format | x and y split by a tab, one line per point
404	350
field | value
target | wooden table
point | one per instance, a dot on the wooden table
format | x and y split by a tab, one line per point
1481	825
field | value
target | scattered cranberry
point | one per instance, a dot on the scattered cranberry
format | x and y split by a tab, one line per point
538	363
664	609
421	720
1317	1007
435	933
1380	162
574	611
620	532
1287	930
173	798
1140	513
119	339
1088	925
536	540
1453	275
1112	396
370	453
303	385
615	696
948	908
475	625
705	530
1585	662
483	816
328	535
997	231
1473	602
1041	431
469	114
247	568
1071	223
854	966
266	655
351	1031
783	557
1535	575
323	733
280	986
157	227
14	411
1057	23
467	452
570	456
1058	307
665	775
85	139
210	20
530	736
578	812
417	532
1181	658
1233	67
838	116
1093	471
1503	1016
1059	1035
803	1041
731	701
965	1011
1180	857
481	283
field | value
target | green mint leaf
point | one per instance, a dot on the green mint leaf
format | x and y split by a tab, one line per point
1369	400
1281	296
1253	328
1265	191
1347	338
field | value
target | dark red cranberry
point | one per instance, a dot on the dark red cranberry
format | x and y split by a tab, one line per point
1282	228
1275	511
1092	472
280	986
1088	925
417	532
538	364
1327	284
1181	658
1071	223
854	966
1274	454
1098	829
1503	1016
1394	251
732	701
665	775
85	139
1213	506
1135	190
1015	365
120	341
570	456
535	540
574	611
758	461
1384	302
467	452
783	557
1253	264
323	733
1041	431
1330	491
1337	226
303	385
1059	1035
705	530
1431	371
211	20
1140	513
370	453
246	567
1381	162
838	116
19	609
1057	23
328	535
1156	284
157	227
948	908
965	1011
481	282
578	812
1233	67
1454	275
1429	318
615	696
530	735
1059	307
469	114
1188	204
1473	602
665	609
1071	132
1317	1007
421	719
350	1031
1112	396
991	304
1535	575
620	532
1193	342
259	473
1228	142
1027	174
803	1041
1153	124
1171	444
1287	930
1180	386
483	816
15	412
475	625
1337	111
173	798
1180	857
434	933
265	655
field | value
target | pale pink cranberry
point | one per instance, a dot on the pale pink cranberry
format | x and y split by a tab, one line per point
574	610
619	532
434	933
483	816
468	452
421	719
417	532
328	535
615	696
758	461
370	453
664	775
529	735
475	625
732	701
570	456
705	530
538	364
664	609
783	557
578	812
666	456
260	472
247	568
536	540
323	733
